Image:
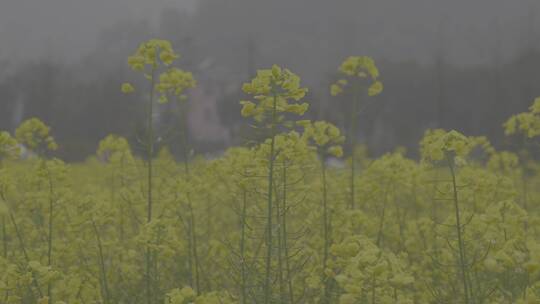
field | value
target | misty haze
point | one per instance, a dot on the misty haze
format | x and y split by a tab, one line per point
269	151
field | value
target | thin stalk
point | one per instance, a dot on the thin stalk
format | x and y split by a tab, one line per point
326	295
106	299
195	265
243	246
189	235
50	239
4	234
25	253
381	223
4	238
279	254
184	140
149	155
524	199
190	254
156	267
461	247
267	287
5	249
354	115
285	245
194	247
122	232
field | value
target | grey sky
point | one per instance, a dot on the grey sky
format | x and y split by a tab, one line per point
30	28
398	29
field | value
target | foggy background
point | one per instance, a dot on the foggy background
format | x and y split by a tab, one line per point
461	64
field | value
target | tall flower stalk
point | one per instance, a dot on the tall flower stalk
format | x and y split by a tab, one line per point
34	135
151	58
327	139
449	147
359	75
272	91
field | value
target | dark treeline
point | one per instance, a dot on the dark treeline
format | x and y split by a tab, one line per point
224	42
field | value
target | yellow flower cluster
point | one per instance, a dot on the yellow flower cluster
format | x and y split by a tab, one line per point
325	135
272	89
150	53
361	68
147	59
173	82
527	123
34	135
8	146
113	148
438	144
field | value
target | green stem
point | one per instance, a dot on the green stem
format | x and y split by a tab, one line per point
285	243
50	239
461	247
5	249
353	146
242	246
195	265
267	287
25	253
102	264
4	237
525	205
280	254
381	223
190	253
149	155
122	231
326	295
194	247
184	140
156	278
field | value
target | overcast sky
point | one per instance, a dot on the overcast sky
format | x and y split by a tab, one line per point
30	28
402	28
